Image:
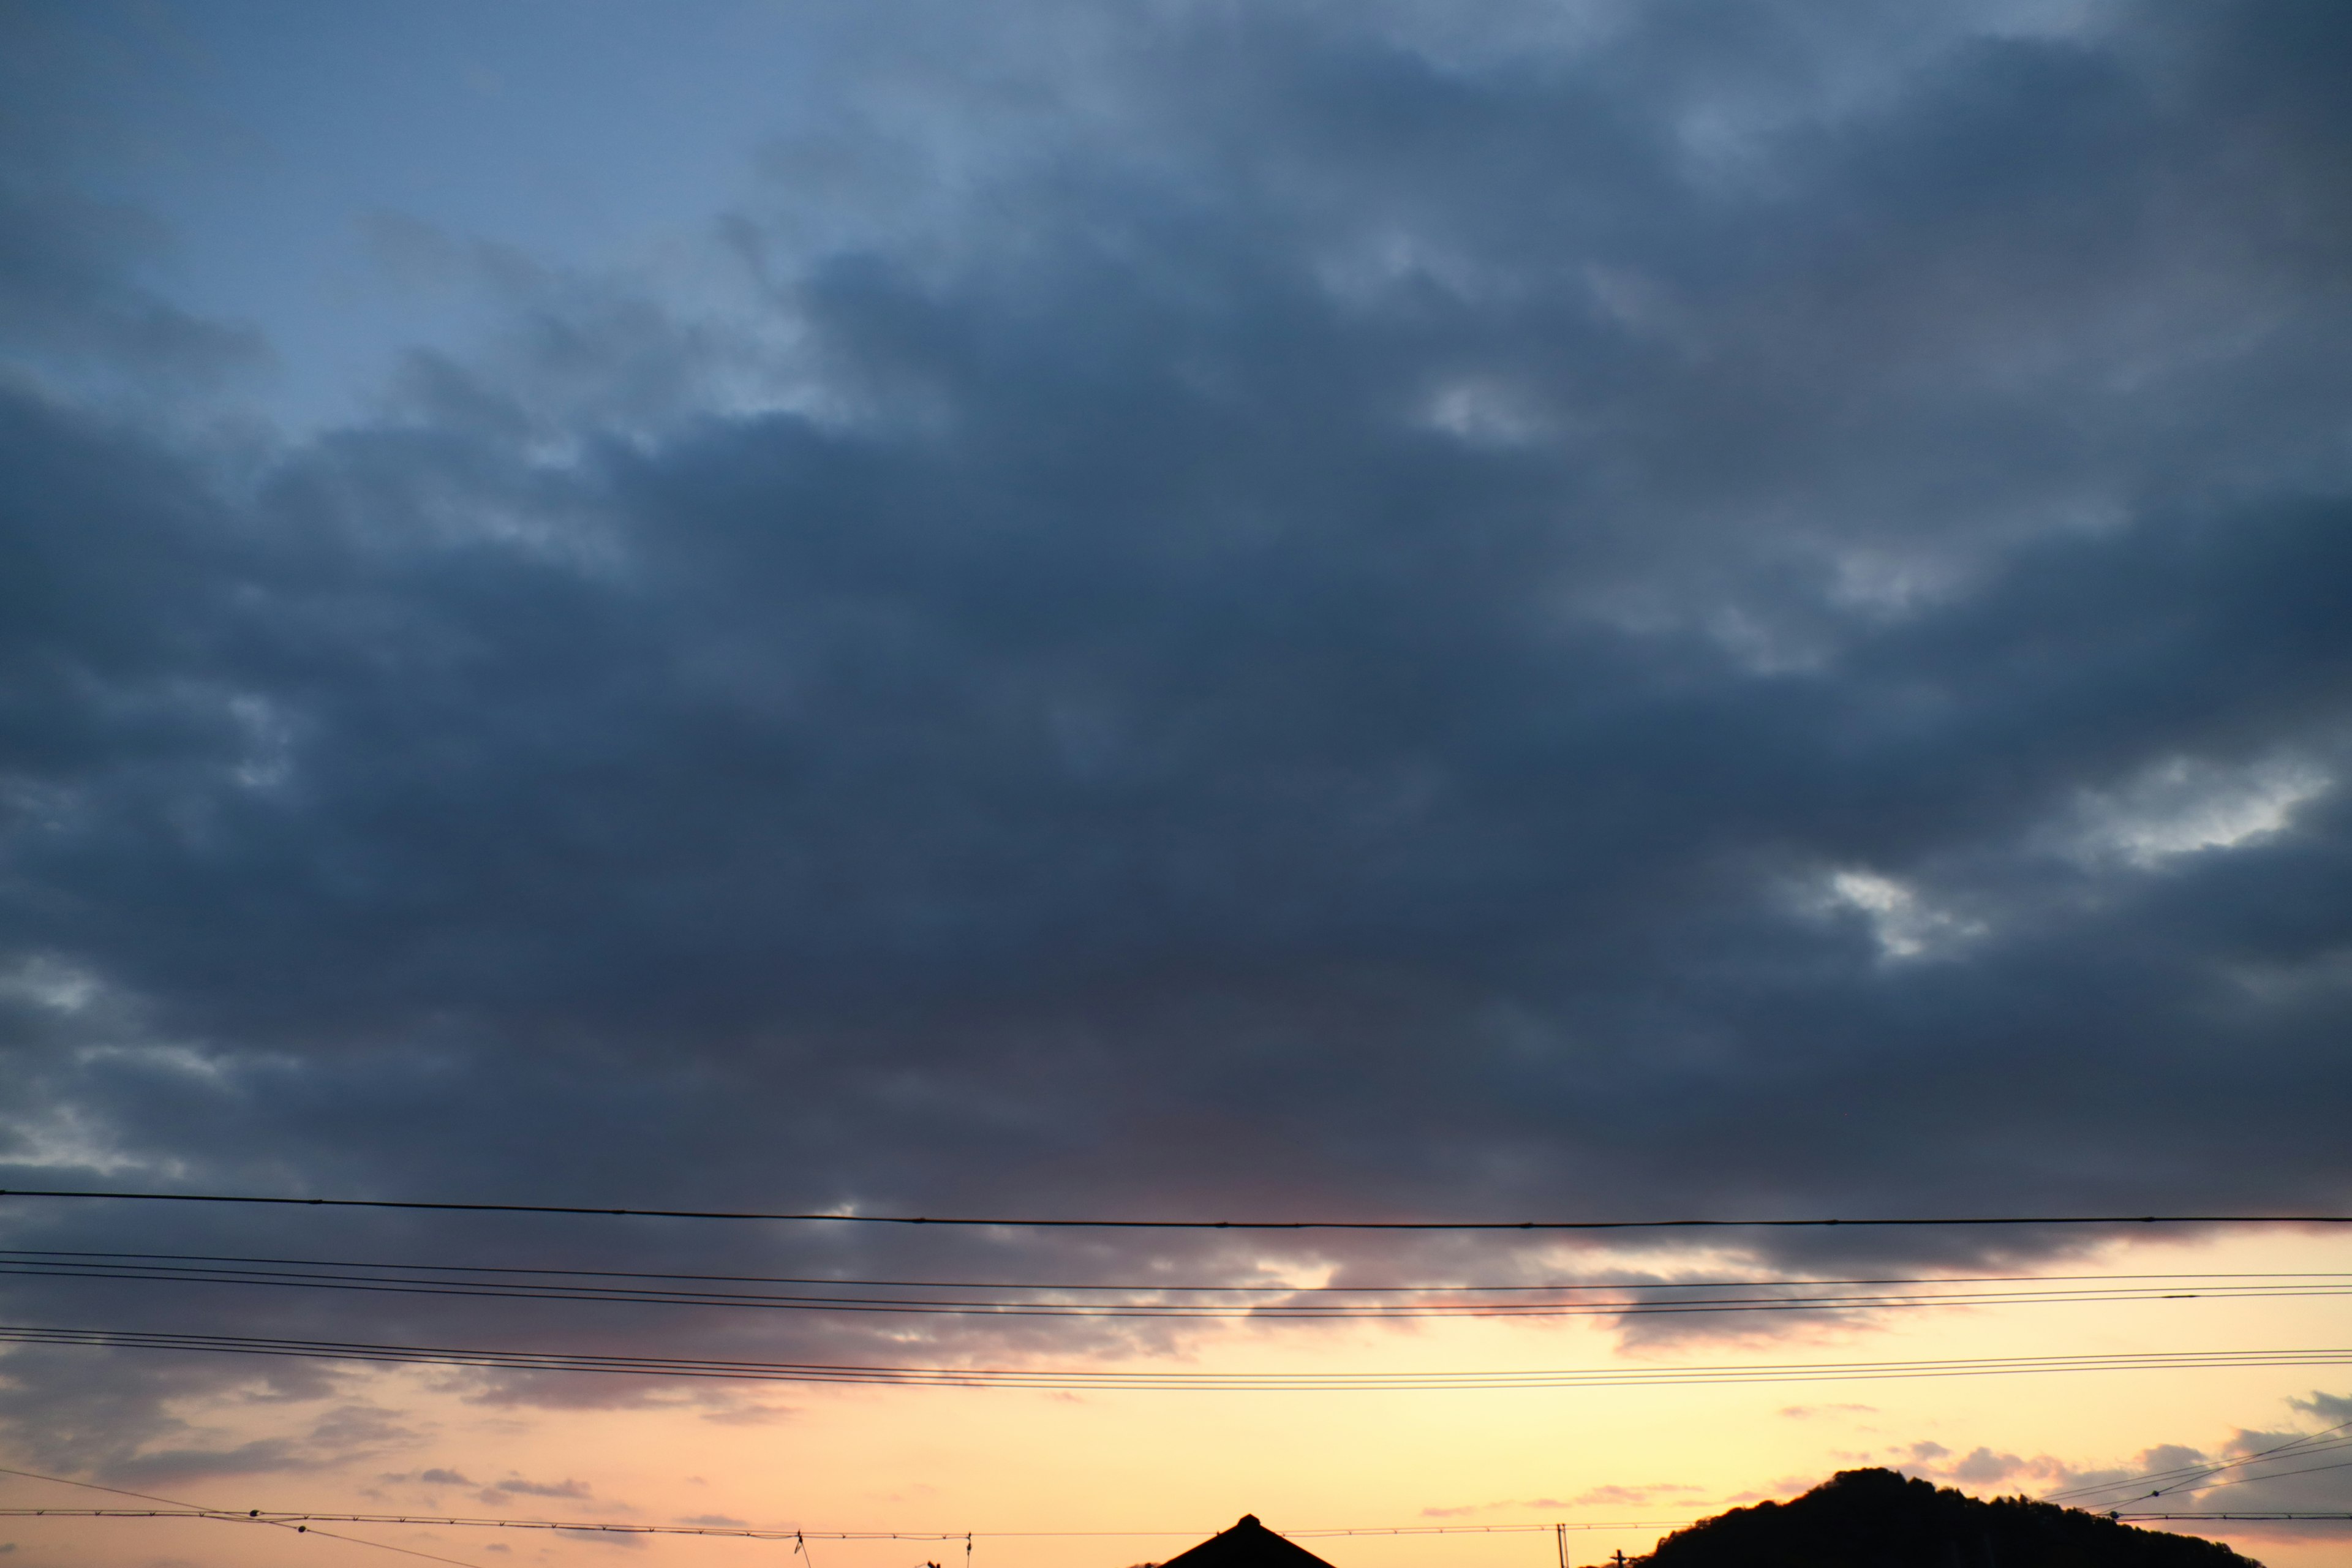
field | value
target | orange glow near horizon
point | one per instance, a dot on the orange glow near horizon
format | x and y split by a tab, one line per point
1004	1463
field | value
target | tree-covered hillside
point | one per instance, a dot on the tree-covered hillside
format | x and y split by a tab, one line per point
1877	1518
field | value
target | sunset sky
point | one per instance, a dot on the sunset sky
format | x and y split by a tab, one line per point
1179	610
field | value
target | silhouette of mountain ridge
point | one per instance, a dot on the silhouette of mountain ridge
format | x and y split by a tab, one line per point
1878	1519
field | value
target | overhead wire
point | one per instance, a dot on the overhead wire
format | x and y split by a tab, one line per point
229	1270
1036	1223
1039	1378
1325	1302
2181	1475
197	1510
780	1533
758	1532
2267	1518
2200	1480
2277	1476
2190	1477
1165	1287
309	1520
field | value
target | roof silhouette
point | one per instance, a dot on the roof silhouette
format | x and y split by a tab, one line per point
1248	1544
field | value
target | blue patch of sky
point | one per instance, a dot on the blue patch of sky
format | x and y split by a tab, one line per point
274	140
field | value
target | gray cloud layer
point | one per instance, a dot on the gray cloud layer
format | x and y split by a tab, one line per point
1737	611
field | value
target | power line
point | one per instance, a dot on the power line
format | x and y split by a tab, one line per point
1162	1286
2180	1476
756	1532
1499	1529
1037	1378
197	1510
310	1520
557	1284
2278	1475
1002	1223
2271	1517
2185	1478
753	1532
2194	1478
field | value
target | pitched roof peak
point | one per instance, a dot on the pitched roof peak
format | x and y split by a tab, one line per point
1248	1544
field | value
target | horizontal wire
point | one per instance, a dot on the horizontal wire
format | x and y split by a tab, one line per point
194	1510
1004	1223
775	1533
2275	1518
283	1518
772	1532
998	1378
1266	1311
599	1527
845	1536
1160	1288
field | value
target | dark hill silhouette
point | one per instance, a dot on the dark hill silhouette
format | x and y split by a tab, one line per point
1247	1544
1877	1518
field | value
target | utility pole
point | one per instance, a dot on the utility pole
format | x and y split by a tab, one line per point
1560	1534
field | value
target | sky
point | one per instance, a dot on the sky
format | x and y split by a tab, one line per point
1513	609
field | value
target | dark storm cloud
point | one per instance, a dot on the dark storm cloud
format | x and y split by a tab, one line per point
1736	616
